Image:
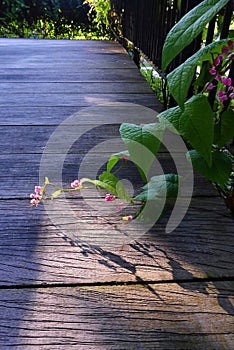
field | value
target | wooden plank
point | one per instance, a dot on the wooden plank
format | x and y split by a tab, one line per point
23	169
75	99
163	316
37	251
54	115
43	75
72	88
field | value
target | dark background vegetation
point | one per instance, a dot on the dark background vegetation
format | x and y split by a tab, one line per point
49	19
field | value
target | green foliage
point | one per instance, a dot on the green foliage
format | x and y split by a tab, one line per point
188	28
159	187
220	169
180	79
111	183
196	127
51	19
205	121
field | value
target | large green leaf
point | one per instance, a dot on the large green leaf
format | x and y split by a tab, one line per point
142	143
188	28
194	123
114	185
220	169
224	131
114	158
160	186
180	79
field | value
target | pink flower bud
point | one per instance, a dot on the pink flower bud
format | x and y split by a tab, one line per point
212	71
32	195
221	93
231	95
230	88
218	77
222	98
37	189
210	86
109	197
226	81
217	61
127	218
75	184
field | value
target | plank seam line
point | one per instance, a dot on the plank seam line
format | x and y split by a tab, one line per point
139	282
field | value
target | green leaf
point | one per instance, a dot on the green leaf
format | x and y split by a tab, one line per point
194	123
160	186
114	185
188	28
115	158
180	79
224	130
46	181
142	143
220	169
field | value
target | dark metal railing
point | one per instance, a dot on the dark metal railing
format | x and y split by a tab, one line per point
146	23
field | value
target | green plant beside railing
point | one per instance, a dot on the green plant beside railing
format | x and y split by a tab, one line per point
205	120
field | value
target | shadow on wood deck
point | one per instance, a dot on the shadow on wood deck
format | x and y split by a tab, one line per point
159	291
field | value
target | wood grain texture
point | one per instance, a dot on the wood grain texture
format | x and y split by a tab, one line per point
188	316
37	250
152	290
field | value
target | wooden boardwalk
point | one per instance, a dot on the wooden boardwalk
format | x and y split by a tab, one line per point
161	291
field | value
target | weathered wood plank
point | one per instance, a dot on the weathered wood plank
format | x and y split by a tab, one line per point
84	75
54	115
190	316
74	99
37	251
23	169
72	88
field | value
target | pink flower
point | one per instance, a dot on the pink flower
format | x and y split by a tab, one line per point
222	98
75	184
36	197
109	197
231	56
231	95
37	189
210	86
221	93
33	202
230	88
218	77
226	81
212	71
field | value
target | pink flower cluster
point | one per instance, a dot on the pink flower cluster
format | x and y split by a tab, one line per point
226	91
75	184
36	197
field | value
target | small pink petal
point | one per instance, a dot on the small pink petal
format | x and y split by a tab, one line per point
212	71
75	184
221	93
210	86
37	189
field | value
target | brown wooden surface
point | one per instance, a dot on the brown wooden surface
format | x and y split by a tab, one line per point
160	291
